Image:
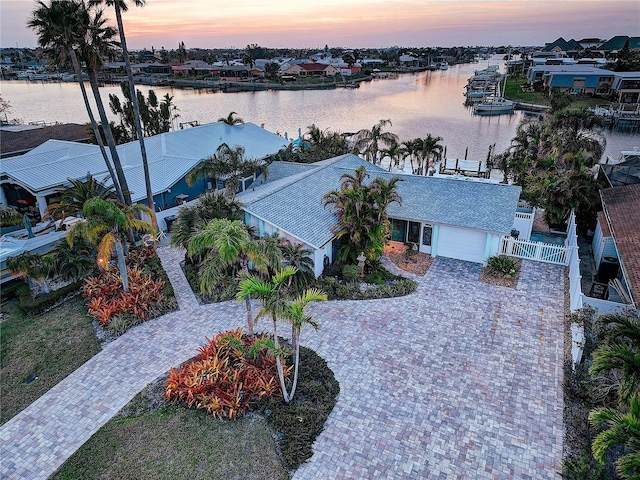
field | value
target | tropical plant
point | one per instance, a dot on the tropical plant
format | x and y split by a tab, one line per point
70	200
396	152
273	297
362	225
619	428
617	356
224	244
502	266
231	119
37	269
367	142
299	257
230	164
60	25
120	6
74	262
295	314
213	204
9	216
230	371
105	227
431	151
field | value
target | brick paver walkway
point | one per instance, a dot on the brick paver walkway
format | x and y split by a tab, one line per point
459	380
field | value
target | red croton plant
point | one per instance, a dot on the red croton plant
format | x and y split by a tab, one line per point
228	373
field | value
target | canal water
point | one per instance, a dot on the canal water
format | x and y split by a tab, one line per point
417	105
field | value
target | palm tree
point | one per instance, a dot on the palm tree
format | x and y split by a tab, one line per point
105	226
273	299
227	243
71	199
431	150
367	142
9	216
120	6
620	428
96	44
58	26
385	192
231	119
295	314
395	152
73	262
296	255
35	268
209	206
230	164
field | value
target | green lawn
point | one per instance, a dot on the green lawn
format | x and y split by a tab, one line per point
49	346
155	440
514	92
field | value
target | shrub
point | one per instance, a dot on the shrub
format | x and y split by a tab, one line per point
350	273
38	305
230	372
503	266
297	425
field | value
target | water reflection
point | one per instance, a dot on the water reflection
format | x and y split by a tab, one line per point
417	104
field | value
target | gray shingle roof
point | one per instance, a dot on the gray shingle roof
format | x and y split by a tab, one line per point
294	204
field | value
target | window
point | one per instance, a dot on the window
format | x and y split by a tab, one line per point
414	232
427	230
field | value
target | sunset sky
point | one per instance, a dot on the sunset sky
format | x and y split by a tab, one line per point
353	23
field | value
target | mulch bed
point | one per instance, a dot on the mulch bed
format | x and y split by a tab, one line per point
418	264
511	282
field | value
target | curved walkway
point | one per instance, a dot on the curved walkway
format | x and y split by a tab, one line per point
458	380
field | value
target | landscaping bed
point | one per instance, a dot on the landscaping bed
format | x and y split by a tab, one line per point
40	351
505	275
152	438
418	263
342	282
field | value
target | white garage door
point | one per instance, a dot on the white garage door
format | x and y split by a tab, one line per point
461	243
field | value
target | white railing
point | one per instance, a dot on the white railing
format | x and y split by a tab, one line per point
541	252
575	279
524	216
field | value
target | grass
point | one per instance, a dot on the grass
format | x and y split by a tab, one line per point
151	438
174	442
513	91
49	346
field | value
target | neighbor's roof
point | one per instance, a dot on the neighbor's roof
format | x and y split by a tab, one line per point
621	207
21	139
294	204
170	155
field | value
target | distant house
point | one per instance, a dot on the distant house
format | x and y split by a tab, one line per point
626	87
562	45
617	42
33	178
312	70
577	79
590	43
157	67
193	67
444	216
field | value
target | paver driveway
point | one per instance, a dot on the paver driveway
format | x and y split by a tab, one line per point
459	380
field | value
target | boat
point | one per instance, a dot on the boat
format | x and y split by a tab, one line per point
352	85
497	105
444	65
478	93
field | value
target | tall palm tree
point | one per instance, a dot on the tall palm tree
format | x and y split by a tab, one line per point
296	255
367	142
120	6
619	428
96	44
395	152
385	192
70	200
431	150
232	119
230	164
58	26
105	226
227	243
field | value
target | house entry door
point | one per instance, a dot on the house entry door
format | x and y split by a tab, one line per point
398	230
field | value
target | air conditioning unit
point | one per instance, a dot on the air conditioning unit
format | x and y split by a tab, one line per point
609	269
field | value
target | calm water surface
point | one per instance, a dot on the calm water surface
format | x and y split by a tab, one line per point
417	104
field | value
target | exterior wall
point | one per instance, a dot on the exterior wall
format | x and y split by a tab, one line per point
523	223
602	246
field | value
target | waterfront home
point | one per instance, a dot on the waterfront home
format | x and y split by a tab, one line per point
576	79
312	70
626	87
463	219
29	181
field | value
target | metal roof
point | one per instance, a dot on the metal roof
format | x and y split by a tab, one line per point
170	155
294	204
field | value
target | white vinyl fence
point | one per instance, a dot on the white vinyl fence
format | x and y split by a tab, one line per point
541	252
